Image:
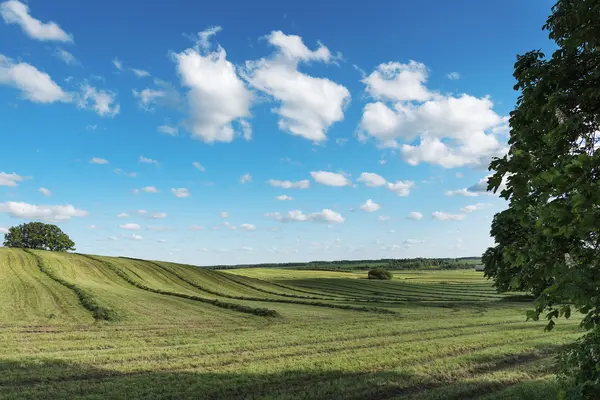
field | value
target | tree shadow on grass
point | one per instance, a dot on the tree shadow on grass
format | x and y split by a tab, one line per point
58	379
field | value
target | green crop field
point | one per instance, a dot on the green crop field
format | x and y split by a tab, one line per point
91	327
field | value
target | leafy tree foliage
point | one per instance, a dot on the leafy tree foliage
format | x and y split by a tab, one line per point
548	241
37	235
379	273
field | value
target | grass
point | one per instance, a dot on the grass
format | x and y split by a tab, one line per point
186	332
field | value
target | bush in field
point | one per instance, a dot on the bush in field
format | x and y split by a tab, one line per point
40	236
379	273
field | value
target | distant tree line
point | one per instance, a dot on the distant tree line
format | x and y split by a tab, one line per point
350	265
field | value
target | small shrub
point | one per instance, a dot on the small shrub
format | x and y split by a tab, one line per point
379	273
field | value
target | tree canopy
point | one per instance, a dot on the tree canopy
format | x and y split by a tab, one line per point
37	235
548	241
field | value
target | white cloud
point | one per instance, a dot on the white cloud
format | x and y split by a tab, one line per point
372	180
248	227
229	225
101	102
217	97
67	57
160	215
394	81
136	237
452	131
168	130
149	189
304	184
147	160
10	180
180	192
308	106
414	215
370	206
326	215
3	231
35	86
411	242
330	178
15	12
383	218
198	166
284	197
130	227
245	178
118	64
162	241
45	192
50	213
443	216
477	189
401	188
453	76
98	160
196	228
142	212
140	73
224	214
147	97
473	207
122	215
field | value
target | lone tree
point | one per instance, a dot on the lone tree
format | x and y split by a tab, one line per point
37	235
548	241
379	273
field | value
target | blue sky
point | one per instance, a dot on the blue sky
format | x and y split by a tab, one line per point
235	133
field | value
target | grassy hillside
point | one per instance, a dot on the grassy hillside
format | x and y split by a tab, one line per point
77	326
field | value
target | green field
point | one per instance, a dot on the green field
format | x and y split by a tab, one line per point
75	326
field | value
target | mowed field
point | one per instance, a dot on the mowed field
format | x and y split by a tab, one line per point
91	327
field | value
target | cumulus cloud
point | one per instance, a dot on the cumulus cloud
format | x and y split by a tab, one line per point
3	231
146	160
101	102
15	12
149	189
453	76
370	206
284	197
122	215
168	130
34	85
326	215
383	218
217	97
414	215
136	237
477	189
447	130
443	216
180	192
45	192
330	178
245	178
304	184
98	160
160	215
10	180
198	166
229	225
473	207
308	106
401	188
371	179
248	227
118	64
49	213
130	227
